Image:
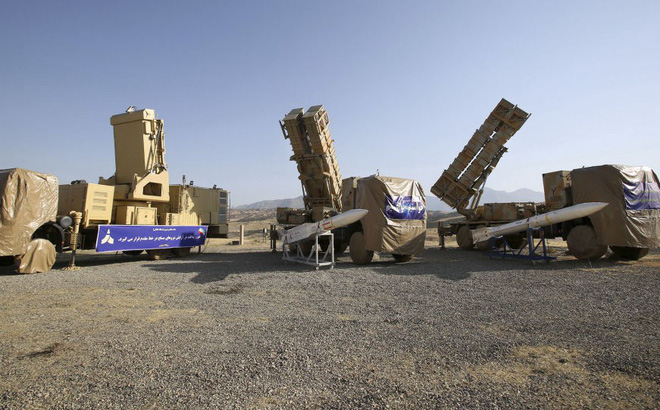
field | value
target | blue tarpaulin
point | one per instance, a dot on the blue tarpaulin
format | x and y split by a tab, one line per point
404	207
641	195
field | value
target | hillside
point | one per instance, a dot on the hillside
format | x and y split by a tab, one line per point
432	202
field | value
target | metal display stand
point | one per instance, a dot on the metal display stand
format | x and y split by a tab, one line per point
507	252
316	257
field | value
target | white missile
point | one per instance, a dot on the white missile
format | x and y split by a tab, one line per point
550	218
304	231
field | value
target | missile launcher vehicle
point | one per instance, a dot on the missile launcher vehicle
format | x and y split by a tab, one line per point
629	225
396	207
461	185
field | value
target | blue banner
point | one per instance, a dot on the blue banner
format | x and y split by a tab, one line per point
113	238
404	207
641	195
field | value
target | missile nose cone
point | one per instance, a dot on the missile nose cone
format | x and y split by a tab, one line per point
588	208
599	205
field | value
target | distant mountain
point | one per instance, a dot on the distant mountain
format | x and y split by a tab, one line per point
519	195
432	202
275	203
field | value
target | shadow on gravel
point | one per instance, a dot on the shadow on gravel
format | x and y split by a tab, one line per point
215	267
83	260
450	265
459	264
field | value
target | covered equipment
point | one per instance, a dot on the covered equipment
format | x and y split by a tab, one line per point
28	201
633	217
396	221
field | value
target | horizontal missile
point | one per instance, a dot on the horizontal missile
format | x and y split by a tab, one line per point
550	218
304	231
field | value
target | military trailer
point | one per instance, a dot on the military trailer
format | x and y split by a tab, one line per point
28	211
396	222
197	205
629	225
461	184
314	155
326	195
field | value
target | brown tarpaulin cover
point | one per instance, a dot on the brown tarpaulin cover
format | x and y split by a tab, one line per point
39	257
28	200
632	217
383	234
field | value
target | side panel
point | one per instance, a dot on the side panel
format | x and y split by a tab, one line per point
632	217
93	200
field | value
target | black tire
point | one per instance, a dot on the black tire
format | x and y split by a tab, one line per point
485	245
7	260
583	243
399	258
181	252
158	254
359	254
464	237
132	253
629	252
324	243
340	247
515	241
306	246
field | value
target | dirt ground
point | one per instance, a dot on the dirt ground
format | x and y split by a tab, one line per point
236	327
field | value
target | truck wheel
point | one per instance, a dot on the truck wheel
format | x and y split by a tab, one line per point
39	257
181	252
340	247
401	258
356	247
629	252
515	241
7	260
485	245
324	243
464	237
306	246
583	243
158	254
132	253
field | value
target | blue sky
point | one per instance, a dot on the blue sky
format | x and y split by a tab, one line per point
405	83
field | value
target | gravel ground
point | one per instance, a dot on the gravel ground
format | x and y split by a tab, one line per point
238	328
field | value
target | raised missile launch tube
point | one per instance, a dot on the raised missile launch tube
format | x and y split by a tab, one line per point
550	218
304	231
